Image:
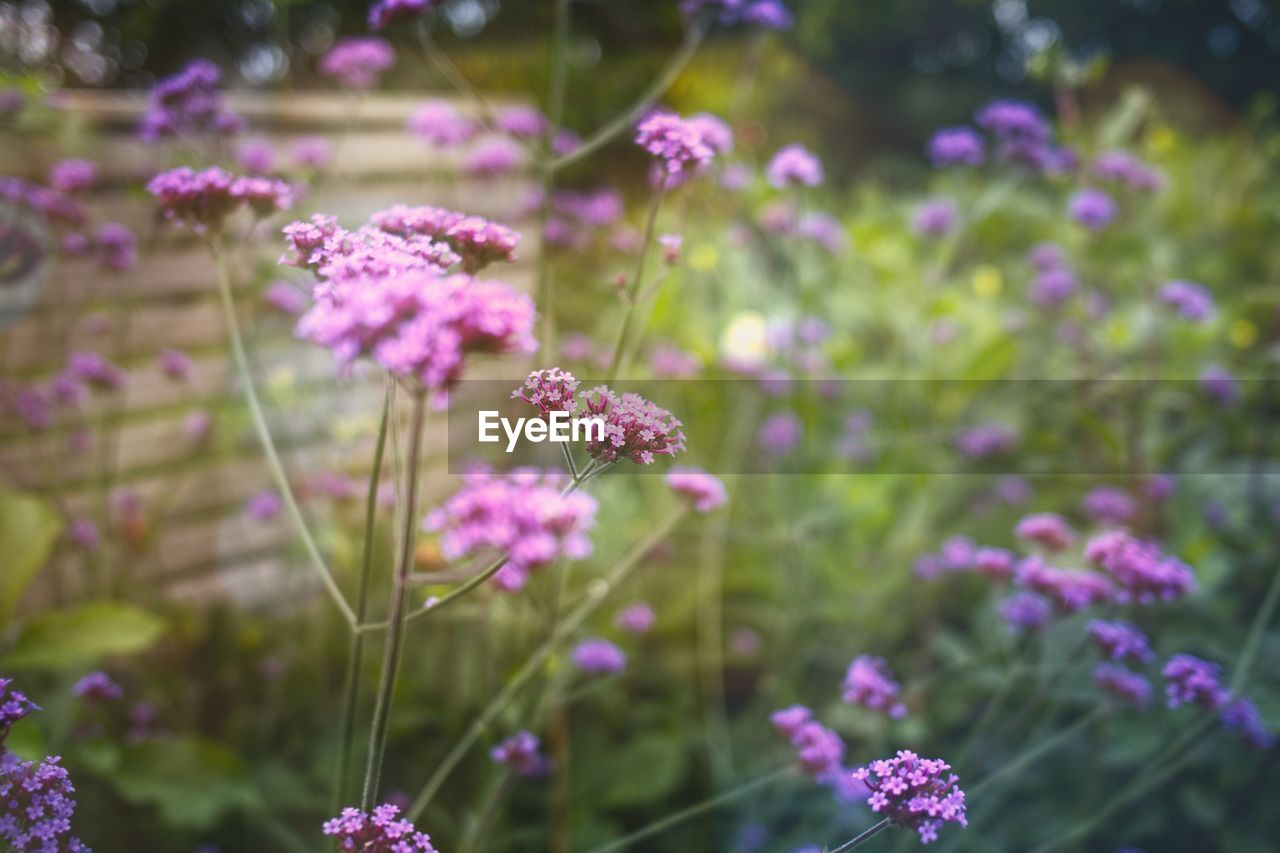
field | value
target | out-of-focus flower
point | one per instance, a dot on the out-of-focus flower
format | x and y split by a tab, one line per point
787	721
520	752
1108	504
1129	687
256	156
117	248
1013	120
636	618
523	515
825	230
438	123
264	506
676	144
715	132
1046	528
1160	487
493	156
358	62
1051	288
770	14
1047	256
1241	715
383	13
780	433
1121	641
706	491
84	534
869	683
819	750
794	166
312	152
994	563
285	298
1144	574
379	832
95	688
174	364
1190	680
1219	383
197	426
521	121
189	104
203	200
956	146
596	656
985	440
935	218
95	371
476	242
1013	490
73	176
1070	590
671	362
914	792
1124	168
1092	208
1190	300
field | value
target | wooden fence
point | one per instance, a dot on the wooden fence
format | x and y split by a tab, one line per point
200	541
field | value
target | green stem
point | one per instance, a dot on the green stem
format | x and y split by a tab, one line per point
1040	749
555	118
535	661
241	360
693	811
399	587
861	837
651	221
351	691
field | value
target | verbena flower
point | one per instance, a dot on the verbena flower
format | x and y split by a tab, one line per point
549	390
359	62
520	752
203	200
956	146
706	491
116	247
285	298
1046	528
794	166
1047	256
37	801
637	618
819	750
188	104
913	792
1190	300
1219	383
985	440
1124	168
522	121
1120	641
312	152
1190	680
1070	590
83	533
264	505
256	156
994	563
1092	208
715	132
386	12
14	705
1051	288
1142	572
824	230
869	683
174	364
73	176
522	514
597	656
780	433
438	123
770	14
677	145
1013	121
97	687
1129	687
1109	504
787	721
379	832
95	371
493	156
635	429
1241	716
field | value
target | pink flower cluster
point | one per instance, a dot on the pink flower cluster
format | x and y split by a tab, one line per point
1142	572
358	63
379	832
706	491
1120	641
520	752
203	200
914	792
477	241
677	144
438	123
598	657
794	166
524	515
1071	590
869	683
189	104
1046	528
819	750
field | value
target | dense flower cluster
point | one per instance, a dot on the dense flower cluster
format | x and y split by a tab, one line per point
358	63
706	491
676	143
956	146
37	801
794	166
1120	641
1070	590
1129	687
1142	572
869	683
476	241
1190	300
598	657
1046	528
635	429
203	200
1190	680
379	832
919	793
523	514
1025	611
189	104
520	752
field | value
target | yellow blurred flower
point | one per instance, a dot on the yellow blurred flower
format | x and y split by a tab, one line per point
704	257
745	341
1242	333
1161	139
987	281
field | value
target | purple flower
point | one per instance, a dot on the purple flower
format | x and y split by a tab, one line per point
174	363
1189	680
914	792
358	62
1070	590
994	563
1128	687
197	426
1051	288
95	688
825	230
596	656
819	750
493	156
523	514
1160	487
38	801
73	176
787	721
386	12
1144	574
1046	528
1124	168
635	429
1047	256
84	534
1108	504
438	123
285	298
312	152
476	242
1014	121
14	705
520	753
985	440
1025	611
202	200
935	218
189	104
635	618
264	506
956	146
379	832
677	145
1092	208
869	683
1192	301
715	132
1013	490
256	156
522	121
706	491
794	166
672	362
95	371
1218	382
1241	715
770	14
117	248
1120	641
780	433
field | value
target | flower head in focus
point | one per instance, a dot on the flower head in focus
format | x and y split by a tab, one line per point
381	831
914	792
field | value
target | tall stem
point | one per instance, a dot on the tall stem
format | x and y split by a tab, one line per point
636	284
351	689
864	836
555	118
276	467
396	620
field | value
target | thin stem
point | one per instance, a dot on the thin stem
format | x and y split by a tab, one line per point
534	662
619	347
568	460
858	839
352	684
399	588
475	581
555	118
241	360
693	811
1040	749
454	74
624	120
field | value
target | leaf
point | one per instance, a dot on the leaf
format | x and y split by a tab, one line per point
28	529
84	635
192	782
653	766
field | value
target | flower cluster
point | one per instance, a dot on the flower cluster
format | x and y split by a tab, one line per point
636	618
189	104
73	176
379	832
476	241
386	12
634	428
1070	590
869	683
935	218
520	752
1190	680
1129	687
1120	641
14	705
1092	208
1142	572
676	143
596	656
1025	611
96	687
914	792
1047	529
1108	504
37	801
203	200
794	166
55	207
1191	301
524	515
1241	715
1121	167
956	146
358	63
706	491
438	123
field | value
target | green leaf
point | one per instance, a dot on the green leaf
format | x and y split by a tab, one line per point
654	766
84	635
192	782
28	529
